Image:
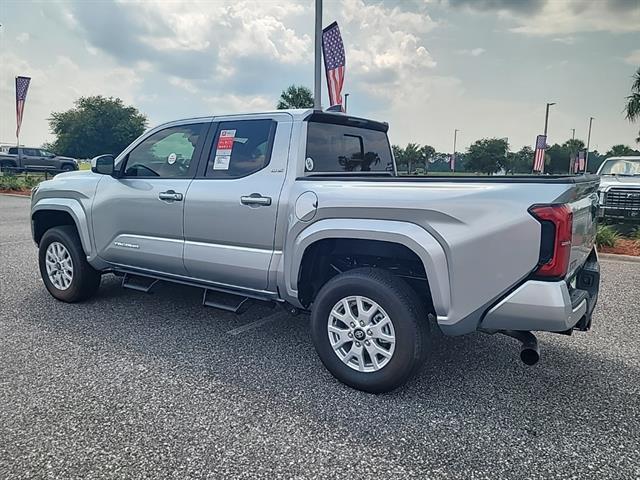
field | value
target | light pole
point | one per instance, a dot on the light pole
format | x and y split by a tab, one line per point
453	156
586	160
346	98
317	85
573	135
546	119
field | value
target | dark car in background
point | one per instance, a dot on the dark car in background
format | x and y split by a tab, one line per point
22	159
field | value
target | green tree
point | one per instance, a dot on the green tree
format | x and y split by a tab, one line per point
295	96
413	156
621	151
520	161
632	108
94	126
398	154
427	153
488	155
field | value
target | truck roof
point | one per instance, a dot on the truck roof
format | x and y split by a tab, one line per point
301	114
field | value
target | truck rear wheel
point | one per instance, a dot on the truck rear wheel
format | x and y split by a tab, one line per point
370	329
64	267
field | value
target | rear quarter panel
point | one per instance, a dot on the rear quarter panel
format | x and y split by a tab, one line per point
490	240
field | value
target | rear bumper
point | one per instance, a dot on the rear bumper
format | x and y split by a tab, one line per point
548	306
622	214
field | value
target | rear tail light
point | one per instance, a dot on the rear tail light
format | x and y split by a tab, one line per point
555	242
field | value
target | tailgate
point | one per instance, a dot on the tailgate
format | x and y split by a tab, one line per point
585	209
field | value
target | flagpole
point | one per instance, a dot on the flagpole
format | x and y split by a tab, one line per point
317	85
586	161
453	156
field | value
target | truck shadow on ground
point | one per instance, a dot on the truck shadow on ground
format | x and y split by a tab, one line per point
476	375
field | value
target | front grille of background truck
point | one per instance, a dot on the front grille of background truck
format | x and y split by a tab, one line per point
623	199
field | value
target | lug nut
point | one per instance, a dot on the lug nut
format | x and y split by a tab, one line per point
369	332
367	342
361	323
350	335
353	325
357	344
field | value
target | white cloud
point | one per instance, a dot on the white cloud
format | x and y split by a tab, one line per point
240	103
474	52
23	37
565	40
386	55
183	83
566	17
633	58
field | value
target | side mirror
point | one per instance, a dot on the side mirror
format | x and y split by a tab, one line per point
103	164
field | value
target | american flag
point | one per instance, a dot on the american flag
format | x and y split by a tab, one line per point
22	85
334	62
581	167
541	145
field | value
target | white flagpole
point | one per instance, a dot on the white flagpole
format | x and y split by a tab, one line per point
317	90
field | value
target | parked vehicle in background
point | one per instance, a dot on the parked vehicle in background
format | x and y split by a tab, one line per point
619	190
305	209
26	159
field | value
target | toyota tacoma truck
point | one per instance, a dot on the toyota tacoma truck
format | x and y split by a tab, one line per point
305	209
21	159
620	189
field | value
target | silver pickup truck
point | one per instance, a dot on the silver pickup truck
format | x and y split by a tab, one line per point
305	208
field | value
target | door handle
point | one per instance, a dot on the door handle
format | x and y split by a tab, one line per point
170	196
255	199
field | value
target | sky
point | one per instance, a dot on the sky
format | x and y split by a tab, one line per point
484	67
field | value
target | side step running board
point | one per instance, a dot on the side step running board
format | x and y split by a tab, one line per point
138	282
225	301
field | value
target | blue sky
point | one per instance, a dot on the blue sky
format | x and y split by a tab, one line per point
486	67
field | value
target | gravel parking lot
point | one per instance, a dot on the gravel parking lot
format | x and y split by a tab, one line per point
131	385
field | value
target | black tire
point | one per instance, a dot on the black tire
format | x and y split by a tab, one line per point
406	311
85	279
7	167
67	168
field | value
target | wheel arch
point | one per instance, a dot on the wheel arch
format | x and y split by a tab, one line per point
405	237
49	213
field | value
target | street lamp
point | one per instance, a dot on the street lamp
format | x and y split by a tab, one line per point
546	119
453	155
346	98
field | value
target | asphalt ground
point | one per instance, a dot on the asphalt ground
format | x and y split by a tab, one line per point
133	385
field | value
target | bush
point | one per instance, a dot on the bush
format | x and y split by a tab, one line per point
19	182
9	182
606	236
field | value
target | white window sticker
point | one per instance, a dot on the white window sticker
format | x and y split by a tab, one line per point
308	164
225	144
171	159
221	162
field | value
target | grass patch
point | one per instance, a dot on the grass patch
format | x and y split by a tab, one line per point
607	236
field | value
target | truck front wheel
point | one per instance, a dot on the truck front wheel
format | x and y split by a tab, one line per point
370	329
64	267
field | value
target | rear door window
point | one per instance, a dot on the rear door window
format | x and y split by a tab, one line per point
341	148
241	148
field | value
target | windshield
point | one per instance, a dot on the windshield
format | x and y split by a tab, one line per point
621	167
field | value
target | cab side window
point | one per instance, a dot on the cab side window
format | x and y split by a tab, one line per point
241	148
167	153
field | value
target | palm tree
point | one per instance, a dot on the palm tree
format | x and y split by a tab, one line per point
295	96
633	101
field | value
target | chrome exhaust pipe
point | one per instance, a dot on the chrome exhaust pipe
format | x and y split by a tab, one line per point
529	351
